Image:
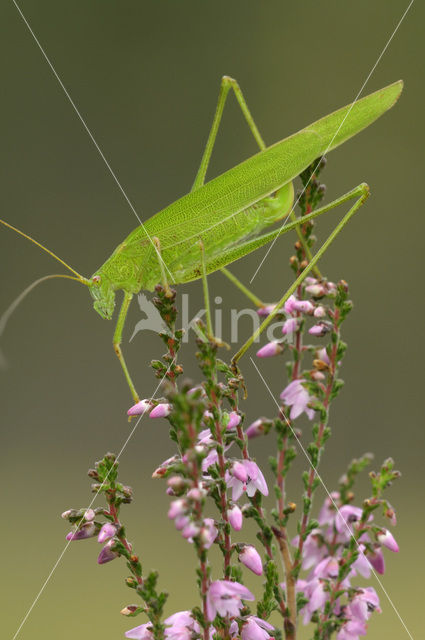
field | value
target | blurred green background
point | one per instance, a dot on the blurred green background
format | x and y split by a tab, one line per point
145	75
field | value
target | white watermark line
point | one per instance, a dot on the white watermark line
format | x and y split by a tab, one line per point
47	580
319	477
102	155
336	133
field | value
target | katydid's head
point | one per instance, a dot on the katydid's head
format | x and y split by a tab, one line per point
104	295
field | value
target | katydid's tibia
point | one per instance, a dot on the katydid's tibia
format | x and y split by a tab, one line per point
221	221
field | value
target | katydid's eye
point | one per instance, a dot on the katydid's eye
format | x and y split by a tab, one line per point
96	279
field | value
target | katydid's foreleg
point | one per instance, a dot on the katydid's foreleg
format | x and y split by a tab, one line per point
205	290
118	339
164	280
362	191
227	83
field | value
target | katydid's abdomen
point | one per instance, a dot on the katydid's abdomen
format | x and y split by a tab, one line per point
134	265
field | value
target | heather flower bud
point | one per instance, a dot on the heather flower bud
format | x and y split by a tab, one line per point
177	484
87	530
239	471
305	306
177	508
271	349
190	530
250	557
209	532
320	329
89	515
107	532
140	408
316	290
255	429
234	420
65	515
129	610
107	554
387	539
289	326
235	517
319	312
160	411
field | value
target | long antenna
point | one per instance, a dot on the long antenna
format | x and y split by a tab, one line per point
21	233
13	306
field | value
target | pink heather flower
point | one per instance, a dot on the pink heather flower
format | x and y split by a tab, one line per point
209	532
107	532
314	591
387	539
107	554
265	311
181	626
181	522
256	629
211	459
255	429
190	530
142	632
364	603
177	508
316	290
351	630
161	410
235	517
327	568
347	515
322	355
250	557
89	515
289	305
313	551
298	398
377	561
87	530
270	349
246	476
305	306
225	598
289	326
197	493
319	312
234	420
140	408
361	564
320	329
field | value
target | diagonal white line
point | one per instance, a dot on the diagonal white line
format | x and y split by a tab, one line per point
47	580
319	477
336	133
102	155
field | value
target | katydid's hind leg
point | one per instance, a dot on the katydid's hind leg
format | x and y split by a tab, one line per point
118	339
251	296
227	83
362	193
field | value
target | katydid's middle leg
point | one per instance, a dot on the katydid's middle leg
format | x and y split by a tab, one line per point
118	339
362	191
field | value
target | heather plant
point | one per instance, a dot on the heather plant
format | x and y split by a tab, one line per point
309	567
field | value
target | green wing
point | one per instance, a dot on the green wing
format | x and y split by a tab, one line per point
265	172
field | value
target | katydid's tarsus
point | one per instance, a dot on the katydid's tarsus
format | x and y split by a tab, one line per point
219	222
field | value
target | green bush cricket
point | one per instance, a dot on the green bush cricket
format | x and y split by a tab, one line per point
219	221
